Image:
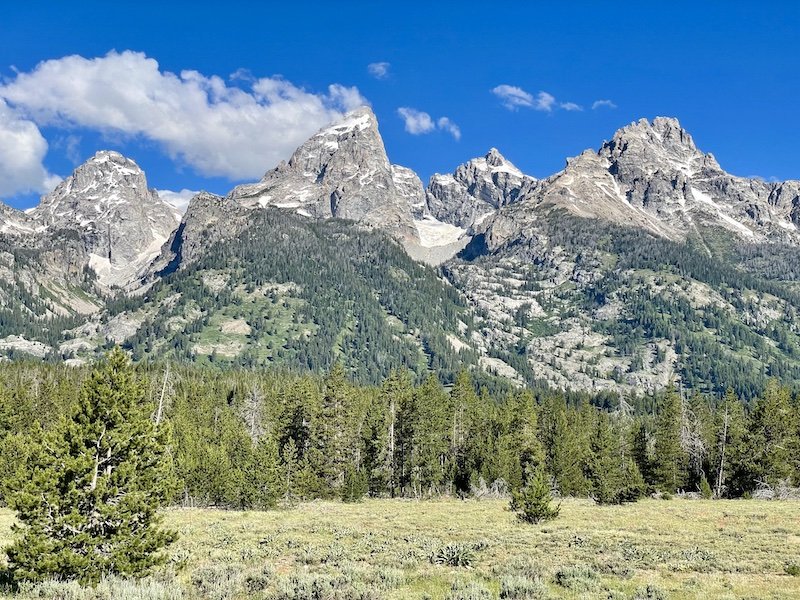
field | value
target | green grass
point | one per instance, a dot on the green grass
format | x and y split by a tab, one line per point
383	548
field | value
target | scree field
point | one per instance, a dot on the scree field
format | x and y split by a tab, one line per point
451	549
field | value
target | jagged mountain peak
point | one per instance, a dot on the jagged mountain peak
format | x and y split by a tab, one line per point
121	221
341	171
475	190
658	145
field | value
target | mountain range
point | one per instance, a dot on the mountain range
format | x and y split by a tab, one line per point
640	263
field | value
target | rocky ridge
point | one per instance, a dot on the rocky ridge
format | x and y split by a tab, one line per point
543	278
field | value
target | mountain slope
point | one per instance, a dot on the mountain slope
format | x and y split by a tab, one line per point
301	293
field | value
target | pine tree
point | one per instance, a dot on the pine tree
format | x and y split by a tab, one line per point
533	503
290	470
669	458
604	464
89	500
772	436
334	429
563	446
731	474
263	479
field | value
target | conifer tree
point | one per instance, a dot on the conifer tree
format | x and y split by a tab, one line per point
563	447
385	453
731	472
604	464
263	477
430	444
89	499
772	436
334	429
533	503
669	458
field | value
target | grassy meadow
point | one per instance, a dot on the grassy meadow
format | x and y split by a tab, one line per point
465	550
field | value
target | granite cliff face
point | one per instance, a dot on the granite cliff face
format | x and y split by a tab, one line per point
652	176
341	172
122	222
475	191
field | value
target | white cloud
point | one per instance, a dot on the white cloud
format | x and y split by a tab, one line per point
447	125
179	200
218	129
379	70
603	104
544	102
513	97
22	149
416	121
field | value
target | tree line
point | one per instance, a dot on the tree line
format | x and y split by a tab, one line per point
256	439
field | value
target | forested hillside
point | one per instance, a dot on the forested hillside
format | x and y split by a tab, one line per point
591	305
303	294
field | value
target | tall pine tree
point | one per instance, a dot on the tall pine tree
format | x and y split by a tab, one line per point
88	502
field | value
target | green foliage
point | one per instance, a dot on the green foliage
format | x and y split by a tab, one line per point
534	502
88	496
705	489
258	439
454	555
355	485
613	475
669	458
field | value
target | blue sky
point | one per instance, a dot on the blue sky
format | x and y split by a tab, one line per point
257	79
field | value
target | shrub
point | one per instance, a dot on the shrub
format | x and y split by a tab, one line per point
218	582
793	570
111	588
472	590
579	578
454	555
649	592
515	587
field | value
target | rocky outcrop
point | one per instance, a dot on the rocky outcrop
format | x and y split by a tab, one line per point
341	172
652	175
475	191
208	219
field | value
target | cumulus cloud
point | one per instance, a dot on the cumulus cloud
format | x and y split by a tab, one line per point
217	128
603	104
379	70
22	149
418	122
447	125
513	98
179	200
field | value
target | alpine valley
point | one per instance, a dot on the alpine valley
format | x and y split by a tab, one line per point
638	264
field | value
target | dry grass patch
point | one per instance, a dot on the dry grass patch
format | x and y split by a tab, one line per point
389	549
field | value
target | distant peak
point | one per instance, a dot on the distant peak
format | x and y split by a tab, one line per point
660	129
494	158
358	119
102	156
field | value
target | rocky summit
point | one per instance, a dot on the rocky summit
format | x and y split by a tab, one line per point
641	262
107	203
